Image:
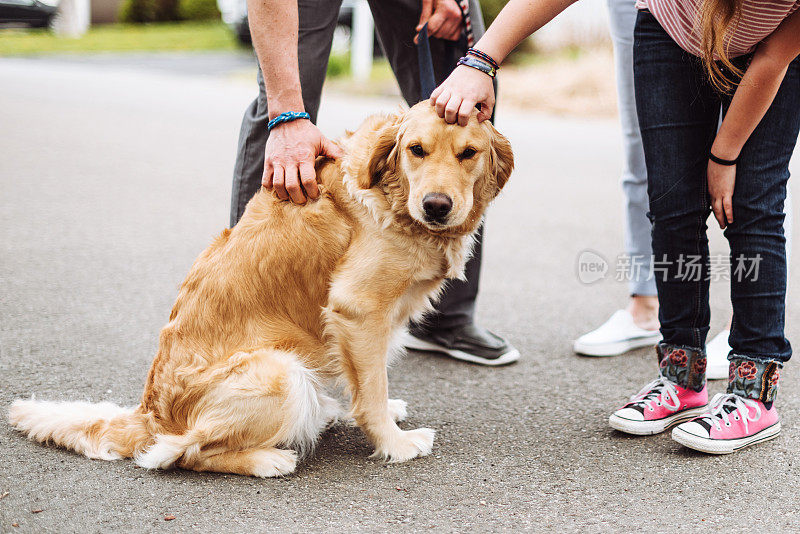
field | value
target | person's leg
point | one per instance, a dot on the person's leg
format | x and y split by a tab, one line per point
637	325
788	230
745	415
678	127
456	306
643	305
634	172
395	21
317	21
718	348
756	236
450	328
678	114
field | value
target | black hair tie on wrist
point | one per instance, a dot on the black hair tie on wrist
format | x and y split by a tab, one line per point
720	161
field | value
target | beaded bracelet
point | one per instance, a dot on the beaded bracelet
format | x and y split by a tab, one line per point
484	56
288	116
476	63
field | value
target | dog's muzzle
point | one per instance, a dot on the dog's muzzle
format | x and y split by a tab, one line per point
437	207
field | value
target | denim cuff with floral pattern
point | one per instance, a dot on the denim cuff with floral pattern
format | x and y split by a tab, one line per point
683	365
754	379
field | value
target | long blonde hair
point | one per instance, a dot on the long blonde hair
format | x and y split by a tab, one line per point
717	19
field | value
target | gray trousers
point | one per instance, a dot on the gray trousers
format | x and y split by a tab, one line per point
395	22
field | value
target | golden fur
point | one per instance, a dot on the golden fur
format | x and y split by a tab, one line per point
295	298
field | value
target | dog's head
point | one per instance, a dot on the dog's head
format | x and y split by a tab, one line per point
442	176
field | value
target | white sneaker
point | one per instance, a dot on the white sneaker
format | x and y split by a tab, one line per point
717	356
617	335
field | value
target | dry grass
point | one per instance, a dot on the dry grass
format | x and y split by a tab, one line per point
568	82
579	83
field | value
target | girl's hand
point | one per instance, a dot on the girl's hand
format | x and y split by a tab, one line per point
721	179
460	92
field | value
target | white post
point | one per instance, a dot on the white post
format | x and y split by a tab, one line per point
361	41
73	18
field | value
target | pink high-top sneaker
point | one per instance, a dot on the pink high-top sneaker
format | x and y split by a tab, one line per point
677	395
659	405
740	417
732	423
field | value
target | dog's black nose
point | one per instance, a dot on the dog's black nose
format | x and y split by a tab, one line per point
437	206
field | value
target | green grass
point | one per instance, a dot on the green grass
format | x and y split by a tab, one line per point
182	36
339	67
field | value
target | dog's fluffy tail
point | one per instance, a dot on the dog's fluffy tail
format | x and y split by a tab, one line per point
102	431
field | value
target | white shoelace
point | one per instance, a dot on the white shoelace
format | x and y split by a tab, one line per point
660	387
717	416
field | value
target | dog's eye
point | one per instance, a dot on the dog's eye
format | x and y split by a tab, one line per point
417	151
468	153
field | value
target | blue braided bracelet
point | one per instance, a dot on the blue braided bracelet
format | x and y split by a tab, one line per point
484	56
288	116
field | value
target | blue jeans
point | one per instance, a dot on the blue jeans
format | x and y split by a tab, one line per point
622	19
678	114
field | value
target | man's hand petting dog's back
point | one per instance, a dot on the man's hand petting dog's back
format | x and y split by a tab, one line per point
289	158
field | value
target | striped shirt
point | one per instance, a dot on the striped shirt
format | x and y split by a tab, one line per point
757	20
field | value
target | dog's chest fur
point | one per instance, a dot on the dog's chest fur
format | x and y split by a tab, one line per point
415	264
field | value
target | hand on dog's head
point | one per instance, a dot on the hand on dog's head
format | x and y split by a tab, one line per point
441	175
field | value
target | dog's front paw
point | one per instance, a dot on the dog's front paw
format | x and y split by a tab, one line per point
406	445
398	409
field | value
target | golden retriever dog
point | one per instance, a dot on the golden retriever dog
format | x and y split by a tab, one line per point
297	299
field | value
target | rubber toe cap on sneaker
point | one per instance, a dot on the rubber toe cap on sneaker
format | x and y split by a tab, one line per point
694	429
630	414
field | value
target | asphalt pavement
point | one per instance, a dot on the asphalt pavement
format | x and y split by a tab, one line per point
114	177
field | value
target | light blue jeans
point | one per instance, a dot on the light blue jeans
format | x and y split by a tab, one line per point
622	17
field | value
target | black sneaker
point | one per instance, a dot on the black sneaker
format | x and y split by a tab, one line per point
469	343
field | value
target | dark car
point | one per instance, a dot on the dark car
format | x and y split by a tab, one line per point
33	13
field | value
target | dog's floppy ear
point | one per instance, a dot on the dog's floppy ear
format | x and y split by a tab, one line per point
372	150
502	159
